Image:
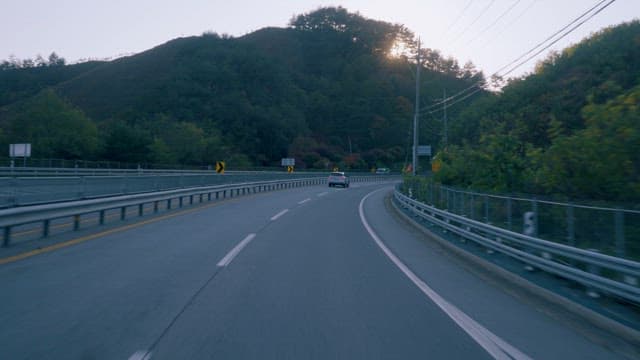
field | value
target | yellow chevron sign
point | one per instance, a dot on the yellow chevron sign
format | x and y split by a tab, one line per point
220	167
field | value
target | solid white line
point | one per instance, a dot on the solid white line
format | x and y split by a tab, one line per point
235	251
304	201
276	216
140	355
494	345
323	193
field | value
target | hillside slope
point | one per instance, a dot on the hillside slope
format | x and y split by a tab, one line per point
570	128
323	90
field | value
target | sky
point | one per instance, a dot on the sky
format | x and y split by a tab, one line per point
489	33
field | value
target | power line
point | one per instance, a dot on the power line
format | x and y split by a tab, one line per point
584	17
520	15
555	34
457	100
558	39
486	8
466	7
504	13
454	96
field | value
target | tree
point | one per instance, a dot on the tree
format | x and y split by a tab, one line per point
55	60
600	161
55	128
126	143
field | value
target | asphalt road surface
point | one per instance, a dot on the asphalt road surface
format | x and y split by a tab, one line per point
308	273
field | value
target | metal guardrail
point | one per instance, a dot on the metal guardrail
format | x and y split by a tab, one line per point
46	213
39	190
598	272
32	190
8	171
606	228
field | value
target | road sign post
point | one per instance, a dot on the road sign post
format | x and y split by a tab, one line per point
20	150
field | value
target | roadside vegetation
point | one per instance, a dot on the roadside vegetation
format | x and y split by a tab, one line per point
337	89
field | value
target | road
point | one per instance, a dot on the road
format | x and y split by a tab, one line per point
307	273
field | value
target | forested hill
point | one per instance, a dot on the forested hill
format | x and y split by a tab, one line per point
572	128
324	90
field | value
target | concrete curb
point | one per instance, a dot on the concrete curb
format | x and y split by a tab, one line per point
604	331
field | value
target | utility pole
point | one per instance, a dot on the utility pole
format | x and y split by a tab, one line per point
415	116
444	102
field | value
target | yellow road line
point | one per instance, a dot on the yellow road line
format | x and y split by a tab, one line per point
61	245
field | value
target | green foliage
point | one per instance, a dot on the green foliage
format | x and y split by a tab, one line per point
125	143
19	84
569	129
53	127
602	160
328	79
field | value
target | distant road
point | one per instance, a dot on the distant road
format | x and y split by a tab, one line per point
308	273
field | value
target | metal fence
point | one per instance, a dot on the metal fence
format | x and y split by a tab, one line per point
42	216
599	273
21	191
607	230
39	219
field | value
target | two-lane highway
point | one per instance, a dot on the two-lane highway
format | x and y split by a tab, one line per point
311	273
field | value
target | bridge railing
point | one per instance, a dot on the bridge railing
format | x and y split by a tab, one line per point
599	273
40	218
21	191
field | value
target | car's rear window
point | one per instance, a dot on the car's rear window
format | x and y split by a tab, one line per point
337	174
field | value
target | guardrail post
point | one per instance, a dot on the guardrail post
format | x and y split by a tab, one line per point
472	208
595	270
155	206
180	201
190	199
123	212
140	209
101	220
45	228
431	200
486	209
6	240
534	208
619	233
13	193
509	214
209	197
168	204
448	196
571	233
76	222
83	187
